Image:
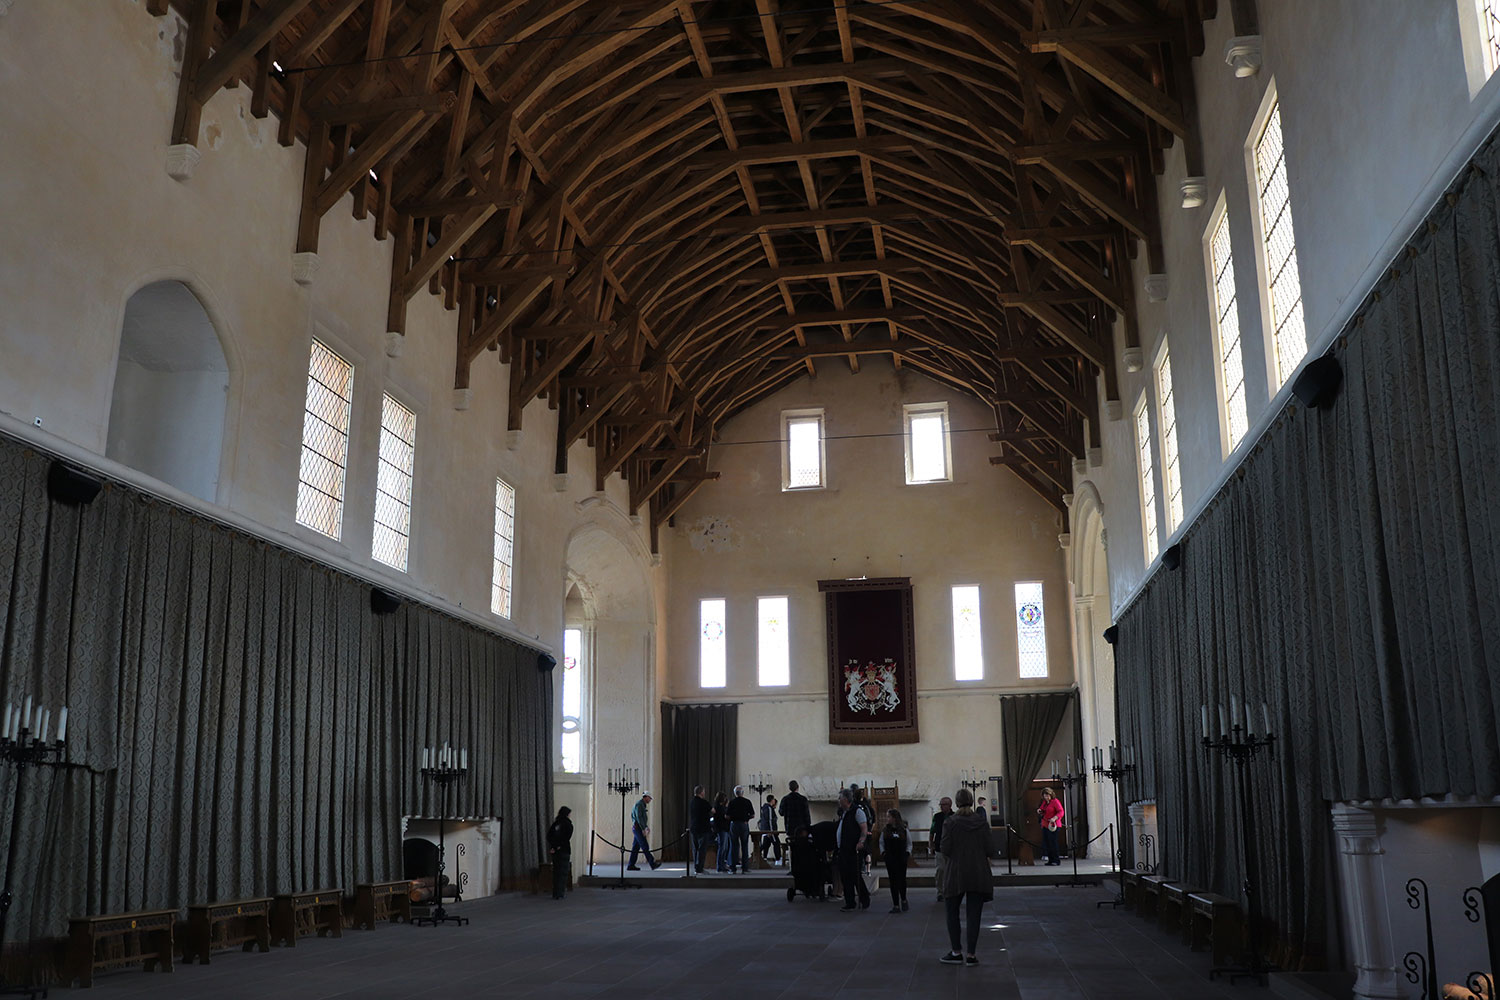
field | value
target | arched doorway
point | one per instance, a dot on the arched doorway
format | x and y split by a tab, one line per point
171	391
610	614
1088	570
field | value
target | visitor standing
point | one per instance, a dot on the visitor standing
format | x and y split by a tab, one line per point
700	826
895	849
966	877
935	839
560	849
850	834
794	809
741	812
1050	813
769	842
721	833
640	830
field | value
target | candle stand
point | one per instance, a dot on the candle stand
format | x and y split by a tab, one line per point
1067	781
622	782
1116	772
20	749
451	767
762	784
1240	746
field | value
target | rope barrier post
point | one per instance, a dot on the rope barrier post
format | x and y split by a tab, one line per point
692	858
593	839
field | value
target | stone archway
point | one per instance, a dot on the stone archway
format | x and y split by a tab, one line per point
167	412
1094	665
610	598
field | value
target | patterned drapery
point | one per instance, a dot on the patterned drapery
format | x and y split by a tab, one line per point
244	723
1349	577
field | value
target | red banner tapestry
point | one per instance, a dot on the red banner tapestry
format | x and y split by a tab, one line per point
872	691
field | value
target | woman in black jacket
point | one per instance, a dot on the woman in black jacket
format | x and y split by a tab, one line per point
721	834
895	849
560	847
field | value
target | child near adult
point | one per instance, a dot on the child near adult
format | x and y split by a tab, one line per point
895	848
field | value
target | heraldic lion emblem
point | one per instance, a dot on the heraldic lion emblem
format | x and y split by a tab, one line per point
871	688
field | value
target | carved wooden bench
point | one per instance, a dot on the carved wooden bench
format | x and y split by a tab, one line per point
108	941
1150	895
297	914
381	901
216	926
1172	907
1130	888
1216	921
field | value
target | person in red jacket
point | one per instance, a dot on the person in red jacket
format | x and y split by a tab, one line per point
1050	814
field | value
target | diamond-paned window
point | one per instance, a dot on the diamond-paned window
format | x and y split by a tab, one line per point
968	648
802	463
1171	467
321	472
712	659
505	546
1031	630
572	701
1283	281
1143	451
398	443
775	662
1227	321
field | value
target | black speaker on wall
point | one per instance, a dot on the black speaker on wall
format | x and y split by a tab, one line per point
383	602
1318	385
1111	634
1172	557
66	484
545	661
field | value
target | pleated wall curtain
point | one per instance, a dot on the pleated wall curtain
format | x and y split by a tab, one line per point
1348	576
241	723
700	746
1028	726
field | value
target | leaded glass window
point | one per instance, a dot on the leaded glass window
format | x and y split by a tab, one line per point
1143	451
1031	630
774	646
1227	320
712	672
968	648
393	478
1171	465
803	459
572	701
1283	282
505	545
325	441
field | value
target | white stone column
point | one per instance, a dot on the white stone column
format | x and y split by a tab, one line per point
1362	889
1089	711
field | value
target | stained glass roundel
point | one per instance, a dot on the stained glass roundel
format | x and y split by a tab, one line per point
1031	614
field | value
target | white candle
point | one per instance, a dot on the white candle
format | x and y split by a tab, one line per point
1265	720
5	730
62	725
1234	710
26	715
1223	721
1249	725
1070	763
1204	710
46	723
463	759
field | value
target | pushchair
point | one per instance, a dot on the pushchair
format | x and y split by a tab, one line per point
812	871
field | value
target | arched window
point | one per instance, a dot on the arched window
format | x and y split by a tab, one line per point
171	389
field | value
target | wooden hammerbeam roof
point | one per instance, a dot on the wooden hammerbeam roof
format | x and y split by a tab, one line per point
656	212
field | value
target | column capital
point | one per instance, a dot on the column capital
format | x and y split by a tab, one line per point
1358	829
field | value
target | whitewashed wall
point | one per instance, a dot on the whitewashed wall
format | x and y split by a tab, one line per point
743	537
1377	118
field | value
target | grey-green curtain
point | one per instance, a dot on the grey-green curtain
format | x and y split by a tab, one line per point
1348	576
1028	726
243	723
700	746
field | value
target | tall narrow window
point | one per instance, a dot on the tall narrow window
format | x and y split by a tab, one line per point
1146	467
802	461
1279	244
1227	322
398	443
968	649
325	441
775	649
1031	630
1171	469
505	548
928	453
572	701
711	654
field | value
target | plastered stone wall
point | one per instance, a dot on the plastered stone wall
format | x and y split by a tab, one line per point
743	537
1377	116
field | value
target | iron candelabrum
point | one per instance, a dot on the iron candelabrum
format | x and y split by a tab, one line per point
623	781
442	767
1121	765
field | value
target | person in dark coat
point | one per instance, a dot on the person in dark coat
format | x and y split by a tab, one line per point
794	809
700	826
721	833
741	812
895	850
769	842
966	876
560	849
851	841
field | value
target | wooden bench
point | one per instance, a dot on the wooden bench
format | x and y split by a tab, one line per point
381	901
1216	921
111	940
216	926
1150	895
1130	889
1172	907
297	914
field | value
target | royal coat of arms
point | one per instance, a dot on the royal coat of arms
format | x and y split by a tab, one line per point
872	687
